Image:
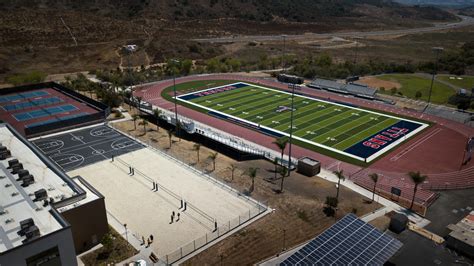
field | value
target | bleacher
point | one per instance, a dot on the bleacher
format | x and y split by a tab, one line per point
349	88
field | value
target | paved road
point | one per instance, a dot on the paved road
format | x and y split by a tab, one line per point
465	21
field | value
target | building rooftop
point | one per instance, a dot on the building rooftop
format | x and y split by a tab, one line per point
21	200
464	230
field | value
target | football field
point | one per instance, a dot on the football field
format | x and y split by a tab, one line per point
348	130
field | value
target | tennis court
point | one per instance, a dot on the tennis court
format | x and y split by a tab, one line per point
22	96
45	112
32	104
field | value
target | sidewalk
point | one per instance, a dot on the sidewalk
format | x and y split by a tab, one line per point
389	205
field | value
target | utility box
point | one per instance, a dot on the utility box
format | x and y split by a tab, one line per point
308	167
398	223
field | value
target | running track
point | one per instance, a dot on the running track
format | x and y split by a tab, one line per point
437	152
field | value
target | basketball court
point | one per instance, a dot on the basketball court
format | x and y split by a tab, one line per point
80	148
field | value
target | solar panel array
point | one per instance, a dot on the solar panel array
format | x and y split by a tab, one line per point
350	241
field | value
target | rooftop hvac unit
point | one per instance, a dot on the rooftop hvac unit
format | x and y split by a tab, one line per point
27	180
31	233
22	173
4	153
16	168
12	162
41	195
24	225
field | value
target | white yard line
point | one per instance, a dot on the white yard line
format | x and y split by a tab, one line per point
369	159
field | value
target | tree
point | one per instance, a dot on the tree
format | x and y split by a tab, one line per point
157	113
139	100
375	178
144	123
331	205
281	144
275	162
340	176
197	148
417	178
283	172
135	117
213	157
170	135
252	172
418	95
232	169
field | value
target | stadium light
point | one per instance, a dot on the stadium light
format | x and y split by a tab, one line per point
175	99
437	50
284	53
291	125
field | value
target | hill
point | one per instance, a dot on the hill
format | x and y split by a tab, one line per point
261	10
445	3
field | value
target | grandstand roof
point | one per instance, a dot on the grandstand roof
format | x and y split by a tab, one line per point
350	88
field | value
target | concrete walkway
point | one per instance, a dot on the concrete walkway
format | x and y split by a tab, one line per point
389	205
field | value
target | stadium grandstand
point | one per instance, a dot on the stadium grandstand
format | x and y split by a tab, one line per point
355	89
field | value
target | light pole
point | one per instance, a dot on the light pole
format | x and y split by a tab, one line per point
291	125
284	238
284	53
126	231
437	50
175	98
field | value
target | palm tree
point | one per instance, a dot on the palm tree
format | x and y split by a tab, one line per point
283	172
252	175
417	178
275	162
135	117
197	148
232	169
213	157
375	178
340	176
139	100
170	135
157	113
281	144
144	123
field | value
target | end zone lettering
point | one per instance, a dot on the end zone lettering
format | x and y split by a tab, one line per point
385	137
213	91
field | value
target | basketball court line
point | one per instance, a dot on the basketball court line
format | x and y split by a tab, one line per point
86	147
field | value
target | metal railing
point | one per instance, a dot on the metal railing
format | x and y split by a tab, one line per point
224	228
202	241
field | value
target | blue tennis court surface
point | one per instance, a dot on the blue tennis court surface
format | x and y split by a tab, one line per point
64	118
350	241
32	103
23	95
45	112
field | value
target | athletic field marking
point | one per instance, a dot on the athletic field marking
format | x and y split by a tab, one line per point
416	144
336	107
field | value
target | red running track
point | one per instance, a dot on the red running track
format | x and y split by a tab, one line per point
436	152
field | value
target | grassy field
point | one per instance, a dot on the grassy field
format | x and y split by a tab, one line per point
336	128
465	82
411	84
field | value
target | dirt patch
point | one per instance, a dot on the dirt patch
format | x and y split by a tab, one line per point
381	223
374	82
297	215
